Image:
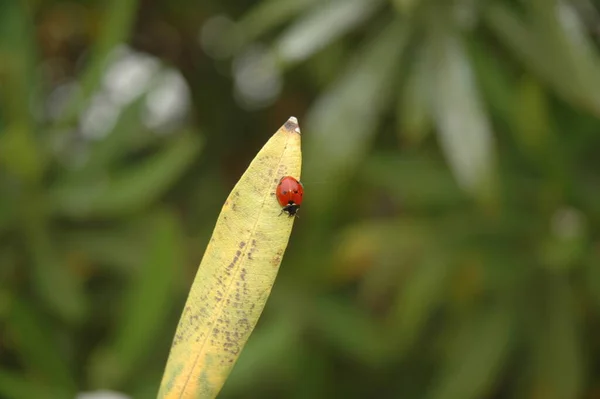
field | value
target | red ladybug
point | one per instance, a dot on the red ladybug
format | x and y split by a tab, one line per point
289	194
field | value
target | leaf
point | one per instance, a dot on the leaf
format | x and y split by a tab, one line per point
60	289
117	21
406	6
20	152
533	127
518	38
266	355
236	274
122	138
366	251
415	181
267	15
592	273
495	81
532	115
313	370
144	386
15	386
476	357
463	127
558	371
146	307
117	249
567	42
324	24
351	331
563	60
414	304
136	187
38	350
414	118
343	121
8	201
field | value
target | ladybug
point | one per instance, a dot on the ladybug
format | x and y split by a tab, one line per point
289	195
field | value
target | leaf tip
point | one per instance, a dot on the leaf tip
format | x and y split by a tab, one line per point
292	125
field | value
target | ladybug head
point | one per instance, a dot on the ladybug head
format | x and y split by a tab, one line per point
291	209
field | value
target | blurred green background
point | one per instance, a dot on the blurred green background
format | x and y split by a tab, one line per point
448	244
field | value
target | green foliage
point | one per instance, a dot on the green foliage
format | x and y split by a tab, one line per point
91	257
448	243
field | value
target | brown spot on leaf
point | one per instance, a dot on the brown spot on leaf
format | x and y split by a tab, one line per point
233	262
244	323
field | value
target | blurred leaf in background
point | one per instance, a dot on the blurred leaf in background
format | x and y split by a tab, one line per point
448	243
92	254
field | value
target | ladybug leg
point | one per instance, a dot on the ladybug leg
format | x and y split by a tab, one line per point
285	209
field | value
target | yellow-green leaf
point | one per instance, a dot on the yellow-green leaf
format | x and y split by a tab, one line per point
236	274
